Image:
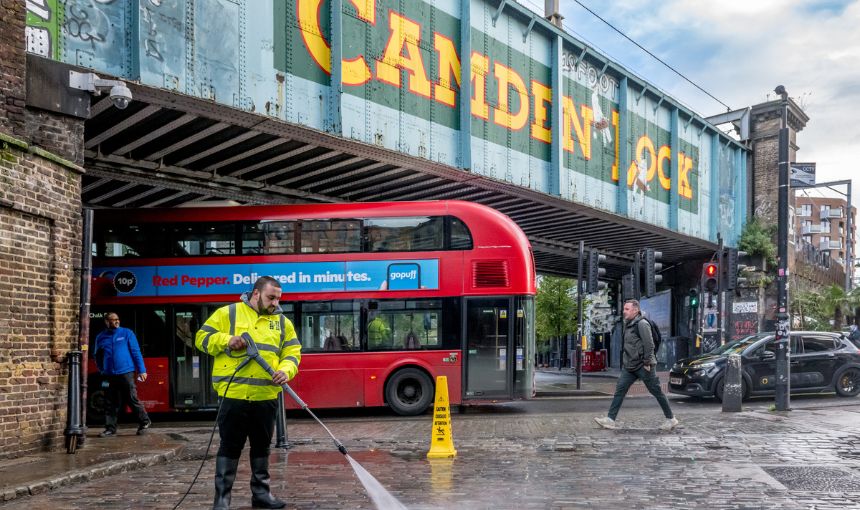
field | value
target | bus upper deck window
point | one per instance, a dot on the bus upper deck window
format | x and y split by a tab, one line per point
132	240
194	239
279	237
331	236
461	239
405	234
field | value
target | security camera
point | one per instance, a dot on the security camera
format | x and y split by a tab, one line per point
120	96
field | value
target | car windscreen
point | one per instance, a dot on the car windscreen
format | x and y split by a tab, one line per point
738	346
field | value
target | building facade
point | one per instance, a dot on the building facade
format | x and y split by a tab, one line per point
821	230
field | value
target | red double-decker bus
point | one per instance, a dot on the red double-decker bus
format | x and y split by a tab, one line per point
384	297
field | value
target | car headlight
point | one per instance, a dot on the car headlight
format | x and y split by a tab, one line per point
706	366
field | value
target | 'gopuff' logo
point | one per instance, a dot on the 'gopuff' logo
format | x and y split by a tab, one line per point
124	282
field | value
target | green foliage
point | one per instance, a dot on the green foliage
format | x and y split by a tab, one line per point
757	239
555	309
816	310
807	307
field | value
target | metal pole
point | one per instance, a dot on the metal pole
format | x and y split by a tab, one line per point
849	249
637	285
84	313
579	328
720	258
783	327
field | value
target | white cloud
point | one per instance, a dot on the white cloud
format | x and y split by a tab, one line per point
739	50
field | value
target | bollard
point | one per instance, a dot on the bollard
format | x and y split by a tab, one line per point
281	425
733	390
73	410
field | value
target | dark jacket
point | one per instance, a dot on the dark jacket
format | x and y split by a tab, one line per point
117	352
638	344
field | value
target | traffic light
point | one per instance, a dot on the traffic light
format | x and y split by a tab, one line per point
733	268
694	298
652	267
710	276
595	272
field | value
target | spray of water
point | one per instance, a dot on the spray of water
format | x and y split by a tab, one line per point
380	497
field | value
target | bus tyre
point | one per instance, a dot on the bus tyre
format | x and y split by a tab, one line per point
409	392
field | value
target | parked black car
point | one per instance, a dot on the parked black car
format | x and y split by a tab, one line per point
819	362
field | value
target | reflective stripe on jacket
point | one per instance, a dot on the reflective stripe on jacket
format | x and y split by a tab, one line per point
275	338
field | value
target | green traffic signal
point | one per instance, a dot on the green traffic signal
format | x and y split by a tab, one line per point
694	298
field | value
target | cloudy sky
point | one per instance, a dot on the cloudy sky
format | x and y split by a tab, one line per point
739	50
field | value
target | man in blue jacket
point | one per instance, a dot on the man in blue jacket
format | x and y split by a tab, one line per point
118	357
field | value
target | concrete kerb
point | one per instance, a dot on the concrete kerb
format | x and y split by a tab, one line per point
93	472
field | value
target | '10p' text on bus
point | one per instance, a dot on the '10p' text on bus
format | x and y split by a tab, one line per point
384	297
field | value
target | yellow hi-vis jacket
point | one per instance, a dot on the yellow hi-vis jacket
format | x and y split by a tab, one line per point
275	338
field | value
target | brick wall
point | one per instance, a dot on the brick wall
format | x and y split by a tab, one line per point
12	67
40	211
39	251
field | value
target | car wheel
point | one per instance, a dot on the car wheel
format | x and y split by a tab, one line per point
718	391
848	383
409	392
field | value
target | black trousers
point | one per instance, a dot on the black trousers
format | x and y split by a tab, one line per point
121	390
246	419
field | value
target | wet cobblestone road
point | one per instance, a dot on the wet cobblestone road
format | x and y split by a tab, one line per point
809	459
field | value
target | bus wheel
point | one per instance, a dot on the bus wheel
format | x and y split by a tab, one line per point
409	392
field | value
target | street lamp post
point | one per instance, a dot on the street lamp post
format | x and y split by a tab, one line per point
783	325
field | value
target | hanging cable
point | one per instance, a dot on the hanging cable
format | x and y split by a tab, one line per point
728	108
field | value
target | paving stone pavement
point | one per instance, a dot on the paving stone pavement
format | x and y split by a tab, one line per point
806	459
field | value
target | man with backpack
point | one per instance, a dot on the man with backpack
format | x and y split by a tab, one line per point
639	361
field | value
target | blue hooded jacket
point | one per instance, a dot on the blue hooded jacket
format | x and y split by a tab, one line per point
117	352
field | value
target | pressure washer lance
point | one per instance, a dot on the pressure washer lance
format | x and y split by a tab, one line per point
252	352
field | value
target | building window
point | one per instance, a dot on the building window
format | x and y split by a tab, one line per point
825	226
805	210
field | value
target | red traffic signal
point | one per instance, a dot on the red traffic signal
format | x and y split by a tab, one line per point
710	276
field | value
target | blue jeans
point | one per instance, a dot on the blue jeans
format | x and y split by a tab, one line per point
652	382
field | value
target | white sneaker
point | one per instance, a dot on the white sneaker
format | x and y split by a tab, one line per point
669	424
606	422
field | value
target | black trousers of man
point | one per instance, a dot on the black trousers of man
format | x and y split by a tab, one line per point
122	390
238	421
241	420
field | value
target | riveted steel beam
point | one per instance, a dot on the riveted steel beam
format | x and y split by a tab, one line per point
152	135
121	126
272	160
185	142
226	145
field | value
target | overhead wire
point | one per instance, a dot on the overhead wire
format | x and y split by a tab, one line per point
658	59
619	31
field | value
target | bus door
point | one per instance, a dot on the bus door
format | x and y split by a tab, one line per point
489	359
192	369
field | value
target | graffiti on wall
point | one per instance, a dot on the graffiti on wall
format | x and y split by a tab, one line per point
41	30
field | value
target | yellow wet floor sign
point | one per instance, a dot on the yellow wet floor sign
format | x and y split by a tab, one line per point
441	442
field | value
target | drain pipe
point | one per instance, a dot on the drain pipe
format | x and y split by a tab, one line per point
84	313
